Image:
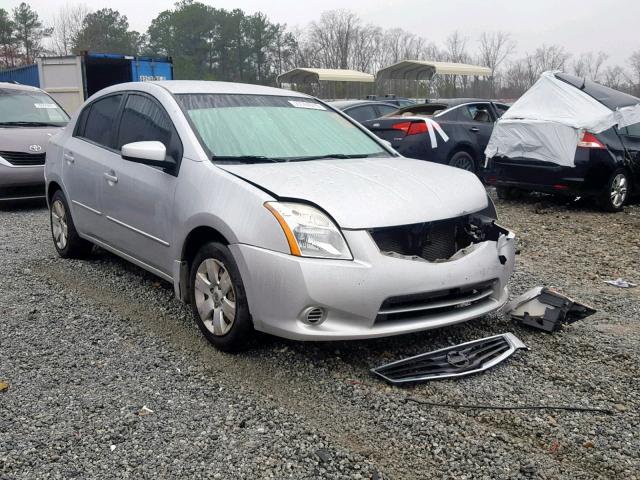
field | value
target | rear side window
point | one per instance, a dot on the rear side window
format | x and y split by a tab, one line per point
144	120
100	121
363	113
633	130
386	109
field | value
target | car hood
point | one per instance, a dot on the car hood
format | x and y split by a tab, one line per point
19	139
372	192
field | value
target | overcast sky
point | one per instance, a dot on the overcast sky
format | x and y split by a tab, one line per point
580	26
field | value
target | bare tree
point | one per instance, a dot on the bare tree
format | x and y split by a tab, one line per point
550	57
66	24
456	48
589	65
333	36
614	77
634	63
495	48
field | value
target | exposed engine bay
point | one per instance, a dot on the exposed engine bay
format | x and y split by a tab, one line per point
439	241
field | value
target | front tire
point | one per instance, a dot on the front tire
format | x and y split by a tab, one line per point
218	298
616	192
66	240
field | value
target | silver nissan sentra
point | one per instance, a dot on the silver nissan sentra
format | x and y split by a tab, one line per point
269	210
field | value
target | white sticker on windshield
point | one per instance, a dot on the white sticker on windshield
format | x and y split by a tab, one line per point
313	106
45	105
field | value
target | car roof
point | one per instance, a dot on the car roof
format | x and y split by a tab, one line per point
342	104
458	101
203	86
178	87
609	97
19	86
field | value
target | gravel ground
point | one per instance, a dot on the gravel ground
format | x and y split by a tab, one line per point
109	377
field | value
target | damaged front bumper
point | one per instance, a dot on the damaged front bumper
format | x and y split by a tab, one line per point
376	294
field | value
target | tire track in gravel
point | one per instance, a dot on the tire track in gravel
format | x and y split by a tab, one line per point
364	432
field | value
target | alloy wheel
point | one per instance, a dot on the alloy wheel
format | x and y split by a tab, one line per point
59	225
619	190
215	296
464	162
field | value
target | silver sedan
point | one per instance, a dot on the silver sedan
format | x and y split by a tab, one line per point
269	210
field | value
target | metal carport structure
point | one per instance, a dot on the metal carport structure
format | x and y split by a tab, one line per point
424	71
328	82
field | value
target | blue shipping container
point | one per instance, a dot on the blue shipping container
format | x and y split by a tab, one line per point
144	69
27	75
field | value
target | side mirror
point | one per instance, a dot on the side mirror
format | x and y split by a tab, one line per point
148	153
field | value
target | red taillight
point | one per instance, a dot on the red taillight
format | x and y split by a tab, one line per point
410	128
589	140
559	186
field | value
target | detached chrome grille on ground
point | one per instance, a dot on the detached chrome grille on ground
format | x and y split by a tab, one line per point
408	306
455	361
23	159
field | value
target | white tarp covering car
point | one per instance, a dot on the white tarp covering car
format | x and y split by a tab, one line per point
548	121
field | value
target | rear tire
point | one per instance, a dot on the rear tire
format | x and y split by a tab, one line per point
66	240
218	298
509	193
616	192
463	161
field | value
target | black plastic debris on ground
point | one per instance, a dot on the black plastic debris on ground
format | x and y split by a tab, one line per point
546	309
454	361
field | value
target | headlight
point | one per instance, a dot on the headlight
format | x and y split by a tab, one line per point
310	232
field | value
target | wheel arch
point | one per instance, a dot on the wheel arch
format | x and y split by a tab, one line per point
463	147
197	237
194	240
52	187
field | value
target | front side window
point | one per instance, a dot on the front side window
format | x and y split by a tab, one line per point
144	120
100	120
30	108
275	127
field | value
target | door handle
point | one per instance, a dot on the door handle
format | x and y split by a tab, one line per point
69	158
110	178
474	129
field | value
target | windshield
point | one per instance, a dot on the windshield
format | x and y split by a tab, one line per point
274	128
29	108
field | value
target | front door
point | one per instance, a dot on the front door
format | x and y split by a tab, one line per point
138	199
85	155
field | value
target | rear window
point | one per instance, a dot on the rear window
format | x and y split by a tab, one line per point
273	126
30	108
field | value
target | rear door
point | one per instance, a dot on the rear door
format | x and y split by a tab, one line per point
477	119
631	139
85	156
138	199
